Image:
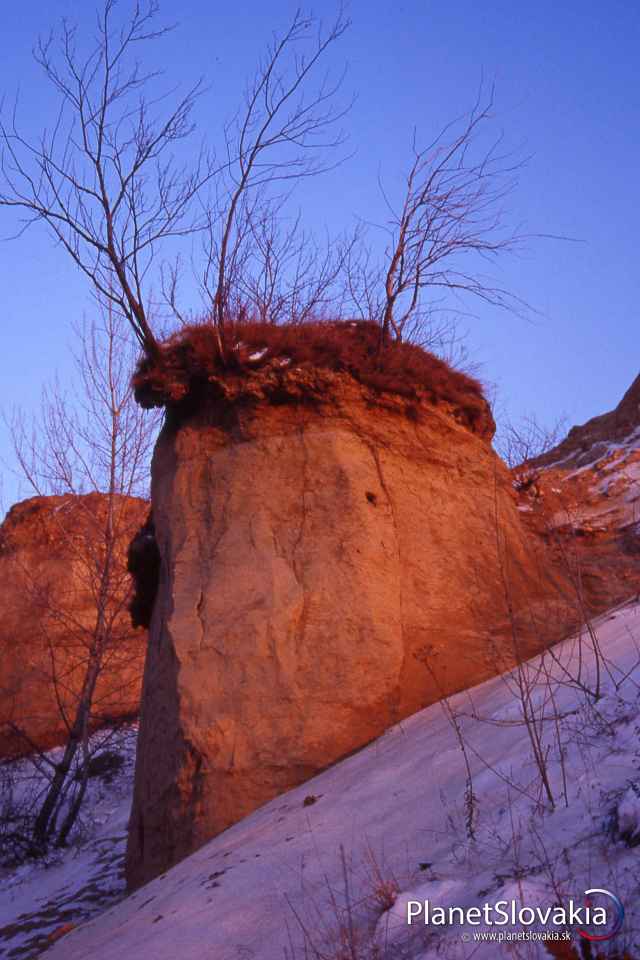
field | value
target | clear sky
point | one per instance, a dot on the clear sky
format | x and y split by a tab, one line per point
567	93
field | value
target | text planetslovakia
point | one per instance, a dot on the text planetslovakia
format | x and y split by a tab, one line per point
506	912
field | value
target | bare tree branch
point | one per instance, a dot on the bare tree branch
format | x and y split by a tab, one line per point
450	216
282	135
104	178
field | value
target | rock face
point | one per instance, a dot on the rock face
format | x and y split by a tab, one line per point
326	570
586	443
47	548
583	499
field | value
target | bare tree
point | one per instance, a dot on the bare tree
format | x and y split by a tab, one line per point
284	133
103	178
105	181
99	440
517	443
449	215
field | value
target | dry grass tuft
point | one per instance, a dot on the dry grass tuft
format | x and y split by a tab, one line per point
191	364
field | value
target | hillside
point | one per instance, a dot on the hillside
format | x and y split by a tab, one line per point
393	820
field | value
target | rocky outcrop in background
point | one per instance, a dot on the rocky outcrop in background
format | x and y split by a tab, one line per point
586	442
332	559
582	498
49	548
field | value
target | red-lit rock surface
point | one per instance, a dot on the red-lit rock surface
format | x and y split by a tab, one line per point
328	568
48	550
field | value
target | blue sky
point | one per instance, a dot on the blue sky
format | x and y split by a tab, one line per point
567	93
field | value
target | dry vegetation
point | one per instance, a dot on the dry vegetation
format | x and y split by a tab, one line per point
191	366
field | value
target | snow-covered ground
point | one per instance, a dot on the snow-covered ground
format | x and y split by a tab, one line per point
41	898
526	788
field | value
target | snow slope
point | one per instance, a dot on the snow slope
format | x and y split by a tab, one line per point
326	870
40	898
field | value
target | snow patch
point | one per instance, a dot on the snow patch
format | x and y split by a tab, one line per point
258	354
71	885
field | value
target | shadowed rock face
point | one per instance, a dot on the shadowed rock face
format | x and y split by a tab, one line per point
47	608
326	570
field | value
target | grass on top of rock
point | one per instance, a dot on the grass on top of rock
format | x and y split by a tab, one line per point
191	365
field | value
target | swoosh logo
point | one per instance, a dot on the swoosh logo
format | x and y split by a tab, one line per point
618	915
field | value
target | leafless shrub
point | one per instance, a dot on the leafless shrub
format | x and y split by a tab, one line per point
342	926
518	443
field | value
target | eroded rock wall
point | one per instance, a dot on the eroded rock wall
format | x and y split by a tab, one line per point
326	570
